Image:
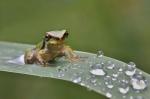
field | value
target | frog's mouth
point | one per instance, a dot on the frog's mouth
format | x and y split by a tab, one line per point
53	42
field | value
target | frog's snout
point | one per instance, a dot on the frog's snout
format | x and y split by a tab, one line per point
53	42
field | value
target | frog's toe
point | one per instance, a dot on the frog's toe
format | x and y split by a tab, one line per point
73	59
40	61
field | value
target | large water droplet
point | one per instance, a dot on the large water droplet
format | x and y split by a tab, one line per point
123	88
19	60
108	95
131	69
98	72
97	69
138	82
100	54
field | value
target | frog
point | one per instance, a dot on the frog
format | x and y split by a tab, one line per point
52	46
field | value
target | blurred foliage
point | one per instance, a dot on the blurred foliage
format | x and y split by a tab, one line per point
120	28
16	86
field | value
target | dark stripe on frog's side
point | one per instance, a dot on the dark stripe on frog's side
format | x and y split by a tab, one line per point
43	44
40	45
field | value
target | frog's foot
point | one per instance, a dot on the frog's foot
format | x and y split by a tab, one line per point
45	64
74	59
41	62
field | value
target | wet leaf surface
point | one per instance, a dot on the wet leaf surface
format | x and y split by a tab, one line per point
104	75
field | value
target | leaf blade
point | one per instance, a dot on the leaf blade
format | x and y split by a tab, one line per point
64	70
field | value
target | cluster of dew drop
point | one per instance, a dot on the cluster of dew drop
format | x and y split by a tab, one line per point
105	76
132	80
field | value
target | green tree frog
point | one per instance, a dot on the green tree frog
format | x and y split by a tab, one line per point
52	46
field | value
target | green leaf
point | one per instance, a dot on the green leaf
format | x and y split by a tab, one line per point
77	72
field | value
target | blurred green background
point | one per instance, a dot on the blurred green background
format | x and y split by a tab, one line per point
120	28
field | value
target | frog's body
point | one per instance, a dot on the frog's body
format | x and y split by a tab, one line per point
51	47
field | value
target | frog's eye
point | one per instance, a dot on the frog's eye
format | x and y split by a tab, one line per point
47	38
65	35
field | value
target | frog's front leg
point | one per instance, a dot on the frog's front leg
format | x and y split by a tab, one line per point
42	58
29	57
69	54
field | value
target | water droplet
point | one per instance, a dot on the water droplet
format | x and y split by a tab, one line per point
120	69
123	88
125	81
97	66
131	69
61	75
100	54
19	60
97	72
110	65
110	86
114	79
115	75
138	82
93	81
60	72
131	64
97	69
108	82
77	80
108	76
82	84
130	73
108	95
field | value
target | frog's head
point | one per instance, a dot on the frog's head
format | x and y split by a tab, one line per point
55	37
